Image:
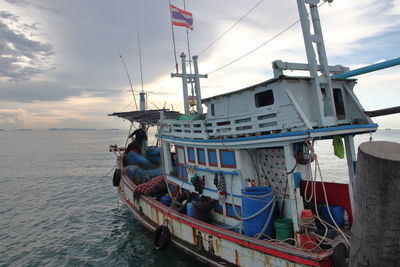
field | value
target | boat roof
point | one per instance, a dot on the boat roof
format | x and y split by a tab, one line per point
146	116
263	84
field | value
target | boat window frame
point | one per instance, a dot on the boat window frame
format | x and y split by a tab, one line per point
188	155
267	100
209	158
198	149
221	158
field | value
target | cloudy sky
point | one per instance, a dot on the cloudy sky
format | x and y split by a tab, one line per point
60	64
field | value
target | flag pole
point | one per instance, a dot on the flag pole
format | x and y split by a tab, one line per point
188	46
173	36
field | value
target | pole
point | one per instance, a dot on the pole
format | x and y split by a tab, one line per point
188	46
129	78
184	84
140	61
173	36
370	68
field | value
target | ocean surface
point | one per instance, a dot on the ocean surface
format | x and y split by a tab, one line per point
57	207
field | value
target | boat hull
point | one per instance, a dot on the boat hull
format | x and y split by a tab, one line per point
211	244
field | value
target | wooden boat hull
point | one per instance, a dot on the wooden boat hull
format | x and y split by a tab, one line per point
211	244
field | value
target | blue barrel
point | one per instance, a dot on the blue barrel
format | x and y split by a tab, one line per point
337	214
253	200
166	200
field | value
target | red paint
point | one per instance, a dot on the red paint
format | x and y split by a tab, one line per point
226	235
337	194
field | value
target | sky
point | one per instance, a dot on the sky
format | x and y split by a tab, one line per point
60	64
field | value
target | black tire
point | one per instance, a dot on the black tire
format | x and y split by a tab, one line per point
162	238
117	177
339	256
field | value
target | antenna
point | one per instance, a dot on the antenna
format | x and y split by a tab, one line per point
140	60
129	78
142	94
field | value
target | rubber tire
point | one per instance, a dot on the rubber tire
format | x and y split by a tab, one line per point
117	177
162	238
339	256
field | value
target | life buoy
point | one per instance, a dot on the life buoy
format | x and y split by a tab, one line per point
117	177
162	238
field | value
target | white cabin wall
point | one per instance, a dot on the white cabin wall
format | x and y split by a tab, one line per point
246	166
302	92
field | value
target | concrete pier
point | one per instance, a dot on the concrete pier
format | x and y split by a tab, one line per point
376	227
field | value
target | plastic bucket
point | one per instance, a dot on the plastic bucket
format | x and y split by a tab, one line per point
284	229
202	209
253	200
337	214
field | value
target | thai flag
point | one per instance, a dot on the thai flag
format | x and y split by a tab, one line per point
181	17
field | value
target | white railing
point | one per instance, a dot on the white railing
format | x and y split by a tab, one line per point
282	118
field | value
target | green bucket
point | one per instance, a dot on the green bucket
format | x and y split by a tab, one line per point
284	229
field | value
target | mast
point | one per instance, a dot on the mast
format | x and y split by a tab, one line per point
189	78
321	84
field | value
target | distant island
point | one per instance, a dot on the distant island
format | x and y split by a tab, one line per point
111	129
71	129
24	130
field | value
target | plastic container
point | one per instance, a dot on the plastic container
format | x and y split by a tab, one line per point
166	200
189	209
284	229
202	209
253	200
337	214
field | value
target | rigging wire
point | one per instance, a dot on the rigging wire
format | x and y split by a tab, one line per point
129	78
258	47
231	27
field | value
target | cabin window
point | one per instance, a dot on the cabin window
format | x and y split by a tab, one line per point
339	104
190	154
264	98
201	156
212	157
230	212
212	110
180	168
227	158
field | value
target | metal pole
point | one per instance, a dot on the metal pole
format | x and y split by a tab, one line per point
184	84
370	68
197	85
173	36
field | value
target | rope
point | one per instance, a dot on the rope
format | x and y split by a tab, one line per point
231	27
258	47
313	194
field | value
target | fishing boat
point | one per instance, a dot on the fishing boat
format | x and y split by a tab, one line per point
241	184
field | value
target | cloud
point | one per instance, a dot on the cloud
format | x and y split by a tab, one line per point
49	91
24	3
21	58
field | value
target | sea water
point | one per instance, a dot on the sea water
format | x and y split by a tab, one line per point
59	208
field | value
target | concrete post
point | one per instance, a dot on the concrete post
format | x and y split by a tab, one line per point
376	227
